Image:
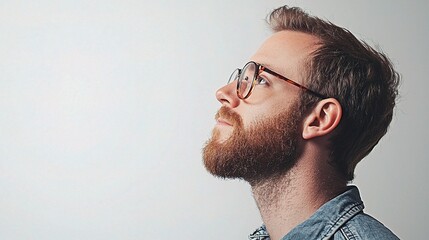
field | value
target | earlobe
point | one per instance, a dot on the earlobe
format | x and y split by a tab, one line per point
323	119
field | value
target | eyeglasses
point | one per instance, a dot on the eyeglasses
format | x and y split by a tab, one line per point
249	75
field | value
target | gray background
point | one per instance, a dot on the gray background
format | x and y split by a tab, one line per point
105	106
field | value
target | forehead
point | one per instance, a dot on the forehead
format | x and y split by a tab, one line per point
285	51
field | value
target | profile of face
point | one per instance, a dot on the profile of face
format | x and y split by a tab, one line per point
259	137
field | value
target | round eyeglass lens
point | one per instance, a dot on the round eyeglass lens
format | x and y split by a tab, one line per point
245	82
234	75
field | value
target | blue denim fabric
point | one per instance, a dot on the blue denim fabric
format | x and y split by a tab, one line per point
340	218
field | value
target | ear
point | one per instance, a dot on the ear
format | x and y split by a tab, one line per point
323	119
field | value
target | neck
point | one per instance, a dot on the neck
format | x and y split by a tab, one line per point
286	201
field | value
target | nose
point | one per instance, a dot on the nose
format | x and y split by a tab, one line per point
227	95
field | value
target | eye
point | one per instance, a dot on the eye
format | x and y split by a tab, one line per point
261	81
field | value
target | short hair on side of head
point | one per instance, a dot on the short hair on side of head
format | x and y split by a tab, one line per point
362	79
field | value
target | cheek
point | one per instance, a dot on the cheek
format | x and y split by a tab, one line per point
259	108
258	114
261	113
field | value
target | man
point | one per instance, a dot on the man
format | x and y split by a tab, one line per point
294	122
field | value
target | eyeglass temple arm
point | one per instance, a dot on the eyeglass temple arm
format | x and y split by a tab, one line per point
293	83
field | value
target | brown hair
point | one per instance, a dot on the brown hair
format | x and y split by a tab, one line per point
360	78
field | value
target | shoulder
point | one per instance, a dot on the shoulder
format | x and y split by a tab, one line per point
363	226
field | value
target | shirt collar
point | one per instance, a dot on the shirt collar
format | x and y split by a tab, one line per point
325	221
260	234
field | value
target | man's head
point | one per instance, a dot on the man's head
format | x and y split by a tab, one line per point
359	83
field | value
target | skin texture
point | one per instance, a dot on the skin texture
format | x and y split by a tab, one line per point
288	196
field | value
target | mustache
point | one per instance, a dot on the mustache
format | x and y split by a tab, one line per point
229	115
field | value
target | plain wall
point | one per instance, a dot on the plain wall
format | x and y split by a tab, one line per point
105	106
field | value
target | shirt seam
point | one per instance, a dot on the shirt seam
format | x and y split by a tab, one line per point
354	209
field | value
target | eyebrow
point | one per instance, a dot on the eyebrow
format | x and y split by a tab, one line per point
272	68
267	65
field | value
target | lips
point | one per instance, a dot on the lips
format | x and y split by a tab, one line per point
221	121
227	117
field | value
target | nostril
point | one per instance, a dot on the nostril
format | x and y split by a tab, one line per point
221	96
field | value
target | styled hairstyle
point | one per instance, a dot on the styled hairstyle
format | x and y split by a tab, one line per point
360	78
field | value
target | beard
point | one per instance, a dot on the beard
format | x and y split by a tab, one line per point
267	149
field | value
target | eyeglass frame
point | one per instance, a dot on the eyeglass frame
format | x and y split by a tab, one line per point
261	68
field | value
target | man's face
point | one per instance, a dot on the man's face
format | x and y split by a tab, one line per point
258	137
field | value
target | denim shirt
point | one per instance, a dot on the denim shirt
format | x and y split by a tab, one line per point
340	218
